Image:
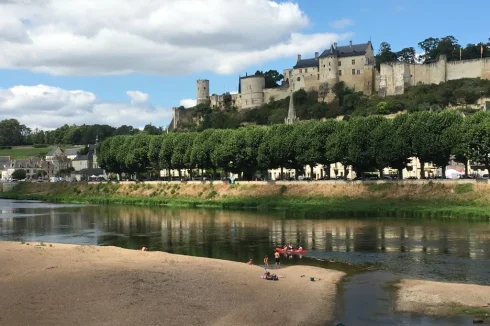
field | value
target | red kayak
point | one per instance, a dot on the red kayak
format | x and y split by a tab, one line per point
298	252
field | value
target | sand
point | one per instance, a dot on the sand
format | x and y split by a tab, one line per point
88	285
436	298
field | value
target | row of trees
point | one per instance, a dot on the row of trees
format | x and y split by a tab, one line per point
433	48
365	143
13	133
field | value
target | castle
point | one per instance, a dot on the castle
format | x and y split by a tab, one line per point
353	64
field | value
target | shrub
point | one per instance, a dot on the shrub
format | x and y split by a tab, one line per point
211	194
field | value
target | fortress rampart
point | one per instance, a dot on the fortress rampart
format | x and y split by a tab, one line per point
394	78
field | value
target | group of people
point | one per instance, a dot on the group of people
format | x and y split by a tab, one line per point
291	248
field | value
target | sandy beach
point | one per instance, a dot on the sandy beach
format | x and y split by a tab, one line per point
436	298
59	284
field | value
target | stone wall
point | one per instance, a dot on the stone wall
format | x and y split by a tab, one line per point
395	77
276	94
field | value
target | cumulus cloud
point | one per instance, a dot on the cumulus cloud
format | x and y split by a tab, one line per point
166	37
47	107
341	23
188	102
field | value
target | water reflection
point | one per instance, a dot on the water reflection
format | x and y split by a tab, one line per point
451	251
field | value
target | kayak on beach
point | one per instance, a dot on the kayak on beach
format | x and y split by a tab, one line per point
294	251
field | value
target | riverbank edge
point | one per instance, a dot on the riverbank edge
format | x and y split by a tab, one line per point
88	279
441	298
291	206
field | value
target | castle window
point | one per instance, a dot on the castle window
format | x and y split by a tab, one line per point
358	71
329	69
301	71
340	72
353	71
353	61
329	63
306	69
298	79
340	63
318	77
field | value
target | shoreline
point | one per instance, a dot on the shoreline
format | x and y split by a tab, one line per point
98	285
79	284
467	201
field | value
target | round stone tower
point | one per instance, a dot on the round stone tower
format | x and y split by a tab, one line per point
202	91
252	91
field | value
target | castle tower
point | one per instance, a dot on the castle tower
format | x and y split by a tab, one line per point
202	91
252	91
291	112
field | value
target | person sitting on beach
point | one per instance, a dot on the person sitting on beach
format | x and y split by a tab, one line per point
250	262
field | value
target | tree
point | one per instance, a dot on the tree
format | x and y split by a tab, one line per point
12	133
152	130
429	46
323	91
385	54
19	174
272	78
478	130
445	127
406	55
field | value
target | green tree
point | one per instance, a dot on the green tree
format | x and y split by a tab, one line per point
19	174
12	133
385	54
406	55
272	78
478	136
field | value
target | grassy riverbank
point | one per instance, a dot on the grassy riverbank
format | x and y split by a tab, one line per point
469	201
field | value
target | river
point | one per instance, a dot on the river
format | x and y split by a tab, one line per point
377	250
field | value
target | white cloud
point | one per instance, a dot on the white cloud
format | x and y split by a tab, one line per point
167	37
188	103
341	23
47	107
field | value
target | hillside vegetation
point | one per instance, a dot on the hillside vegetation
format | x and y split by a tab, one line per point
460	93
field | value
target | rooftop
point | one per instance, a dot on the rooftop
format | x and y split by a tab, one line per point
351	50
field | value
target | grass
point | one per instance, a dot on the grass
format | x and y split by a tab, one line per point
471	311
463	188
24	152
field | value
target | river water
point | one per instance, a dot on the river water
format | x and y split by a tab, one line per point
371	251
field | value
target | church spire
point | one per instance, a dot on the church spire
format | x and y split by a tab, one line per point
291	112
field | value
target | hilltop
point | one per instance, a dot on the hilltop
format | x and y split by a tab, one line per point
466	95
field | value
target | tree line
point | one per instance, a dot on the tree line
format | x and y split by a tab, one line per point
13	133
364	143
433	47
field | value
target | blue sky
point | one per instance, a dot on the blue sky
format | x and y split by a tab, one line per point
63	63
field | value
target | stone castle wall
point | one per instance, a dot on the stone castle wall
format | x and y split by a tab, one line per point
394	78
276	94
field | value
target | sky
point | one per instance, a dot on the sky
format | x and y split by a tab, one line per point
125	62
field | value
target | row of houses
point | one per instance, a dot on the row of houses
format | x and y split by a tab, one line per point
454	170
69	163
